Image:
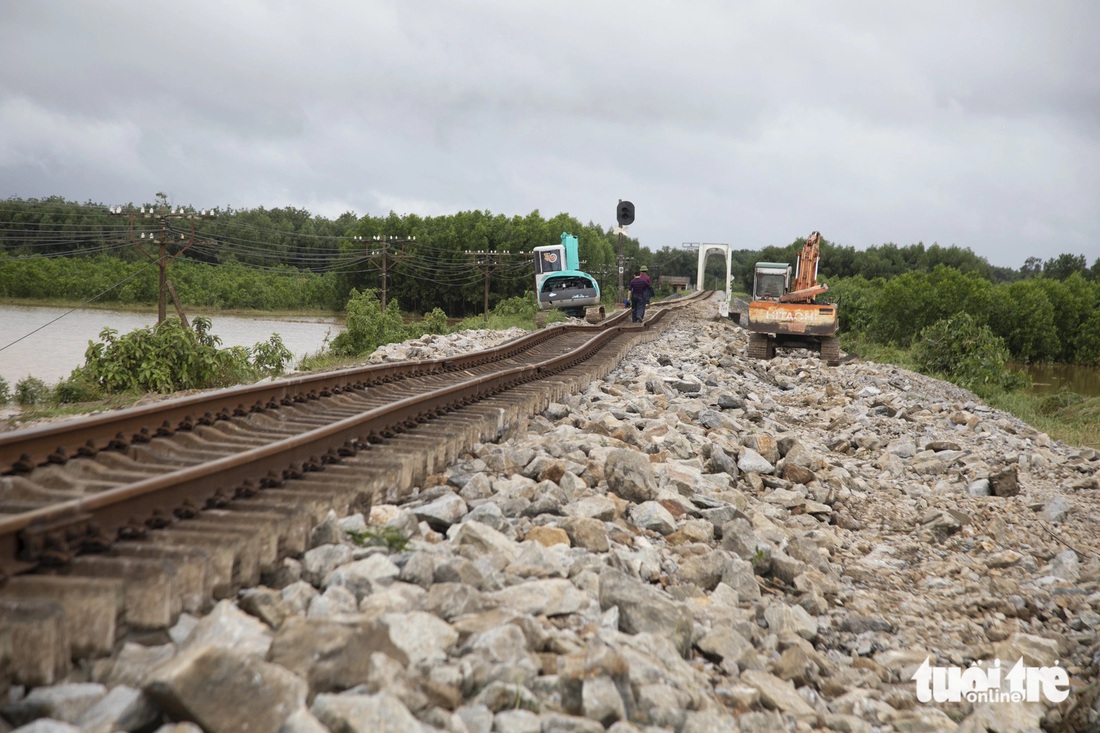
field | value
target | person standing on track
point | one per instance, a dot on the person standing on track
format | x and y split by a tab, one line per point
641	291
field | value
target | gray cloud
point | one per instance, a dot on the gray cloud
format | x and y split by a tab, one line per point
973	124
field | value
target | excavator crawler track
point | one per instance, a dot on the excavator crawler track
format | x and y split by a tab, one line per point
760	347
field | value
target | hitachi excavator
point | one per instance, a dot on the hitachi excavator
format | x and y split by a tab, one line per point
784	313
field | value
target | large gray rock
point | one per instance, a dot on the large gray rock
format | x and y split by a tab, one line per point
645	609
65	702
228	626
123	708
422	636
551	597
705	570
752	462
498	654
473	540
630	475
335	601
722	462
794	619
379	713
724	644
134	661
224	691
451	600
739	537
587	533
517	721
777	693
303	721
320	561
332	655
654	517
442	512
601	700
363	577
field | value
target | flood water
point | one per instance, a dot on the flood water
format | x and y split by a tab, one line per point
1050	378
52	352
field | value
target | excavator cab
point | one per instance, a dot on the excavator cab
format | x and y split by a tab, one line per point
770	280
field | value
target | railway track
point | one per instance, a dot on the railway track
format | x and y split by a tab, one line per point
114	525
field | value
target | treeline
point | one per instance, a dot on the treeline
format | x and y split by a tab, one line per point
288	259
283	258
101	278
1040	319
877	261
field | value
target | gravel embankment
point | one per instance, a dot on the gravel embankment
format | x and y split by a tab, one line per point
696	543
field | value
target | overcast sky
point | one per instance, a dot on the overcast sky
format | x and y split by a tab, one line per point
965	123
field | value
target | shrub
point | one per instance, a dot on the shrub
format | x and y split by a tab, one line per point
968	354
1059	401
169	357
31	391
368	326
5	392
269	358
76	389
392	538
435	321
517	312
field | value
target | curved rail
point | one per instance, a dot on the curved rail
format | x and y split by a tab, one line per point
58	531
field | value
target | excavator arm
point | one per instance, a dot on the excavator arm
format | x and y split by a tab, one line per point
805	286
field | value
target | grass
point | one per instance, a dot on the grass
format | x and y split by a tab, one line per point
53	411
1067	416
504	321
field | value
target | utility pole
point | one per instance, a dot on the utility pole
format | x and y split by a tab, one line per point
624	214
162	235
484	262
381	258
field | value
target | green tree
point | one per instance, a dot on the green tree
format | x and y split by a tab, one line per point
1087	342
858	298
967	353
1073	301
1064	265
913	301
1022	315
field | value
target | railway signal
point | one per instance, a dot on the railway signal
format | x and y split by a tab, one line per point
625	213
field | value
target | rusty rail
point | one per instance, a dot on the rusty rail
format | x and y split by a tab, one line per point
69	527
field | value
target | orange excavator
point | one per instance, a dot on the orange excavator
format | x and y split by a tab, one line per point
784	312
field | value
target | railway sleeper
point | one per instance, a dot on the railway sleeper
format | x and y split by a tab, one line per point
34	640
238	545
154	593
245	549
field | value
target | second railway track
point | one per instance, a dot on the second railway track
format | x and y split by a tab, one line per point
116	524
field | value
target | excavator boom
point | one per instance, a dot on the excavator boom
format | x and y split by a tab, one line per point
805	287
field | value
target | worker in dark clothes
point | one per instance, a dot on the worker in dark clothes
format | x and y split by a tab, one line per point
641	291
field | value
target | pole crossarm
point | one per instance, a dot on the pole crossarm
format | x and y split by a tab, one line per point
381	256
487	263
161	233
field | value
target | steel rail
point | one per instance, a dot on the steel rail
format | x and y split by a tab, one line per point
99	518
23	450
